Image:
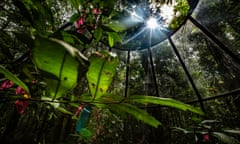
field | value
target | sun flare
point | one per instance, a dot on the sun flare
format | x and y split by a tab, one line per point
152	23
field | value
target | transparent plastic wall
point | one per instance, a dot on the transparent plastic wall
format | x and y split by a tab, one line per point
222	18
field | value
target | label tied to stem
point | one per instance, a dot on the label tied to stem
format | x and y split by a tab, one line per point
83	118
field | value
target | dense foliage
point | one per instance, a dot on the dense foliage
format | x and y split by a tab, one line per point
62	80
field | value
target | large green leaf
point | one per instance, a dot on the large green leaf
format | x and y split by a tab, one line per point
100	73
116	104
134	111
13	78
58	66
164	102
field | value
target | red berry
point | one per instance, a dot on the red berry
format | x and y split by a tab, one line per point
7	84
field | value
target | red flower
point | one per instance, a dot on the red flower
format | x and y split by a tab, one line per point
20	90
206	137
80	22
6	85
21	106
96	11
80	31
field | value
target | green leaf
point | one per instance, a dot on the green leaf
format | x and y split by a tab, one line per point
86	133
53	58
116	37
232	131
117	27
68	37
113	37
225	138
74	17
14	78
100	73
80	37
164	102
73	51
110	39
106	28
136	112
98	33
209	121
63	110
196	119
182	130
55	104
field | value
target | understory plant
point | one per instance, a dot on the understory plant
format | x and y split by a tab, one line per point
209	132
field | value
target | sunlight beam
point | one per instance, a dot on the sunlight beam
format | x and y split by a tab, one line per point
152	23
